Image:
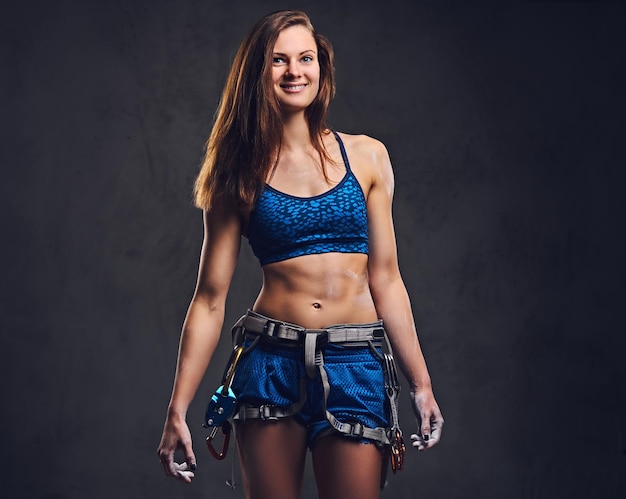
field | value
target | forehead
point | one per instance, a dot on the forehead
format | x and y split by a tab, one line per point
295	39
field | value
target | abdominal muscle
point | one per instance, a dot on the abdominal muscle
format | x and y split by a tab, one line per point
315	291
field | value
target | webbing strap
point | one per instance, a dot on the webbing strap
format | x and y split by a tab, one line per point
310	343
270	412
256	323
355	429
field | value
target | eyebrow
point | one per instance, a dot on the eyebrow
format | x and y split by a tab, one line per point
301	53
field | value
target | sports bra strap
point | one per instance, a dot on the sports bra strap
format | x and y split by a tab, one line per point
344	155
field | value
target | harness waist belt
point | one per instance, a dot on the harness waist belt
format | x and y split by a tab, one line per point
256	323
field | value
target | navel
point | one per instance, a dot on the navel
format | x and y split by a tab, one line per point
317	305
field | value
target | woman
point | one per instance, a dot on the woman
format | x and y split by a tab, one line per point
316	208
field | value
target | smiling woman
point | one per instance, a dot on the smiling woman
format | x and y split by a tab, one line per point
314	365
295	68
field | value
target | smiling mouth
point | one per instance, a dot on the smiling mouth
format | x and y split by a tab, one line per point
293	88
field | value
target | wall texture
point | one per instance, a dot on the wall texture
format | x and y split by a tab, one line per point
505	127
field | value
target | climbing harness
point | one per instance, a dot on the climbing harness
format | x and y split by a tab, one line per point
253	326
373	335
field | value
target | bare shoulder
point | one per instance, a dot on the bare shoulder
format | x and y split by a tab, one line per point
364	147
369	158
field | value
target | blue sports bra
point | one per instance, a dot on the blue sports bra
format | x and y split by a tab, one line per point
282	226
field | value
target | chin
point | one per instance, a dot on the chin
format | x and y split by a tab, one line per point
292	107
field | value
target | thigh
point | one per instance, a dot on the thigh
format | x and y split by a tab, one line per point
347	469
272	456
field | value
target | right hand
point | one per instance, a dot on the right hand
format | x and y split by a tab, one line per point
176	435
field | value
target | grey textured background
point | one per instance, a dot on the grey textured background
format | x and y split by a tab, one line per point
505	123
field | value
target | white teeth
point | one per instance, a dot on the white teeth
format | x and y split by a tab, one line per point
294	87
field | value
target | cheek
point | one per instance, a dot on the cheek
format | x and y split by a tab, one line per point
318	78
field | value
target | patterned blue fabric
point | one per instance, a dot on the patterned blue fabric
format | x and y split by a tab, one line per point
271	373
282	226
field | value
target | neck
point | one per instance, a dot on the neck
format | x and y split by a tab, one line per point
296	132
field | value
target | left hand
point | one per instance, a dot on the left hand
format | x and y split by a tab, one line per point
429	419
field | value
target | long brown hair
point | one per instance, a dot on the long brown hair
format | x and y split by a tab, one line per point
247	133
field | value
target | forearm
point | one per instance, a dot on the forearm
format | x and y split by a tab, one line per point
198	342
394	308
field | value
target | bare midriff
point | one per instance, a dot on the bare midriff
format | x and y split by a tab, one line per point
316	291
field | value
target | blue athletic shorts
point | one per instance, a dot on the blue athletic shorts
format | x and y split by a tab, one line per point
270	373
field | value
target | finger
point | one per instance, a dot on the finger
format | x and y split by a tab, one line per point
183	472
190	458
435	433
426	431
167	461
423	428
436	428
431	442
417	441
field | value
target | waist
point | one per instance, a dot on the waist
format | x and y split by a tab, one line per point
317	290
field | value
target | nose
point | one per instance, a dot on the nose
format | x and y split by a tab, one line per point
293	69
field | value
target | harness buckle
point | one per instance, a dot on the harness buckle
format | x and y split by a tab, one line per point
265	413
321	337
356	430
270	326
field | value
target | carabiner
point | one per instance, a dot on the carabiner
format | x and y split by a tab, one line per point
226	428
397	451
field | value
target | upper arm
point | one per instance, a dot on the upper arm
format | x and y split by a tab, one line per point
220	250
383	259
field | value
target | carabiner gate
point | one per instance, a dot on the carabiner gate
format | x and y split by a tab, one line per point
226	429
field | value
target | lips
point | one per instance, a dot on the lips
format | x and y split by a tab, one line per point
293	88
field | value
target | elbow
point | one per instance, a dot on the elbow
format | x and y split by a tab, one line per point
381	279
209	299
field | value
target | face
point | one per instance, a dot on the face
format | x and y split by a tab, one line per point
295	68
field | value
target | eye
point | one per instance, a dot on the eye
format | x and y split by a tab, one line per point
277	60
307	58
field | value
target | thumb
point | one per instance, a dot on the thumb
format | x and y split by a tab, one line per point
190	457
425	429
